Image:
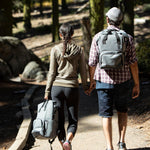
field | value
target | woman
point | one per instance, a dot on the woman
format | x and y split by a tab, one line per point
65	61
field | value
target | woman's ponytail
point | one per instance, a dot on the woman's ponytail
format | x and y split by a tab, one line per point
66	31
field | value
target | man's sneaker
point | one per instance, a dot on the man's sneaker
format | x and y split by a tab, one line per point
122	146
67	145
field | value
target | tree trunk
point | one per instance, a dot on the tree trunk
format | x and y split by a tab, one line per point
114	3
96	15
27	16
87	38
6	20
41	7
64	5
55	18
128	22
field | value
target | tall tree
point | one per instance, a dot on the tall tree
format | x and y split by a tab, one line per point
41	7
96	15
113	3
55	18
6	18
26	13
128	10
127	7
64	5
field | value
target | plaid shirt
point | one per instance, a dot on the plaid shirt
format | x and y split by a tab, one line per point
112	76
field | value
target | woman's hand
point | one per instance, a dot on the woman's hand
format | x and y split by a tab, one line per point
46	97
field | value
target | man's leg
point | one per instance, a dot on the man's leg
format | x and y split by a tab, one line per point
122	125
107	127
105	99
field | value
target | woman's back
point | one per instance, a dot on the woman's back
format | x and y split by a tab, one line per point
67	66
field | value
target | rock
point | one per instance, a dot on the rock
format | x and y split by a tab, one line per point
19	114
40	78
15	54
5	72
33	70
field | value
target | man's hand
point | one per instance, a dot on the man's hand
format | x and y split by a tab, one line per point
135	75
135	91
92	81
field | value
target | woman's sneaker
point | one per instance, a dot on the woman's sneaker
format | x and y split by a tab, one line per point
122	146
67	145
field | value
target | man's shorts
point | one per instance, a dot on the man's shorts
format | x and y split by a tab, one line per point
110	95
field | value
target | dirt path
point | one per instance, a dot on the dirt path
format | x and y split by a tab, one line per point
90	133
90	137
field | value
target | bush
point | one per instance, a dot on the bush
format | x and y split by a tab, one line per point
139	2
17	6
143	54
146	7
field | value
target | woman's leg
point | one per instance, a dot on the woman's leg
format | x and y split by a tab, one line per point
72	101
58	96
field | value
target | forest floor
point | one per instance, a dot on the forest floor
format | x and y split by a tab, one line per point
39	41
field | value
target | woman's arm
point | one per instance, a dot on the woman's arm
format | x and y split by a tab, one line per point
51	73
83	71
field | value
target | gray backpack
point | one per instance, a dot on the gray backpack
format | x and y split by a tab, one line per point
112	45
45	125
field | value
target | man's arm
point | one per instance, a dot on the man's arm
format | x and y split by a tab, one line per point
93	60
135	75
92	71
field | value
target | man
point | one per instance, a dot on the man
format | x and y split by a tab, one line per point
112	85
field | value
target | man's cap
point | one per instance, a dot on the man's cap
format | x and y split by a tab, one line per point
114	14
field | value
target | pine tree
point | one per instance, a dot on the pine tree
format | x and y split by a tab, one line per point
41	7
27	16
64	5
96	15
113	3
55	19
6	20
128	22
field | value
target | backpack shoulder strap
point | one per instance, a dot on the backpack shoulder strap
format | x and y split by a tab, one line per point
99	37
123	33
106	32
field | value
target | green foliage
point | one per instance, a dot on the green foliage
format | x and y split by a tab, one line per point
143	54
141	2
45	59
96	15
146	8
17	6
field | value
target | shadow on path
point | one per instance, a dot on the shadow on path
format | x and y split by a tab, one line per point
146	148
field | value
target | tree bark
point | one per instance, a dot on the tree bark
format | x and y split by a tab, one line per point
113	3
96	15
6	20
64	5
128	22
41	7
87	39
55	18
27	16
